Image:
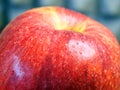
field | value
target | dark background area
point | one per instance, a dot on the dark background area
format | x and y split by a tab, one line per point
105	11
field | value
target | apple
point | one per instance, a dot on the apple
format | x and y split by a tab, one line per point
54	48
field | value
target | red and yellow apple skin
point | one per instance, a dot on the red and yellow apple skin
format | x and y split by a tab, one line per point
53	48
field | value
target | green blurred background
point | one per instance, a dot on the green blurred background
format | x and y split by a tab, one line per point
105	11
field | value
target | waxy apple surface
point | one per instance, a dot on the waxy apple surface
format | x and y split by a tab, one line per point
53	48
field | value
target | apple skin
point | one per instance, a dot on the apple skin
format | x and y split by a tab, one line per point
53	48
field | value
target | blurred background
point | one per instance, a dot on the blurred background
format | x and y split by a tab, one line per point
105	11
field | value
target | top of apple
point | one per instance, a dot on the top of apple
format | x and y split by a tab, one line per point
63	19
59	18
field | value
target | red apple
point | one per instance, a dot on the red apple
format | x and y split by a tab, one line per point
53	48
